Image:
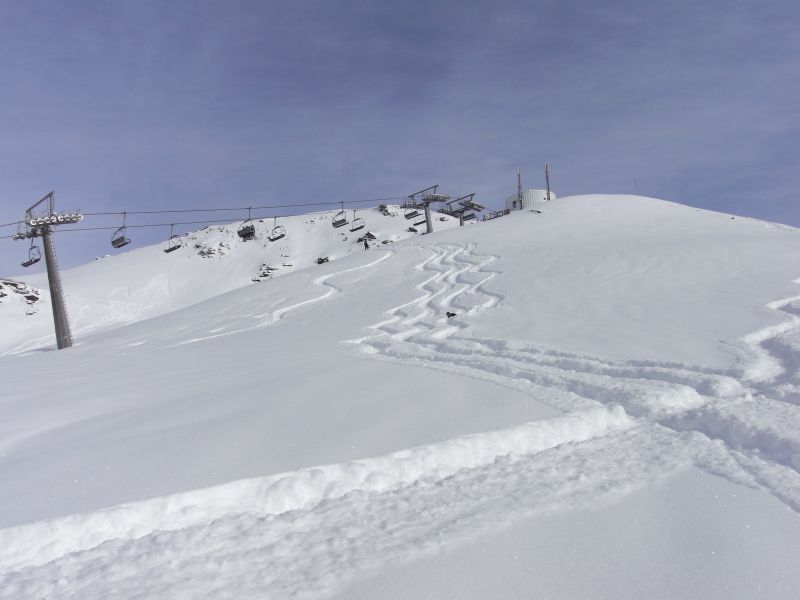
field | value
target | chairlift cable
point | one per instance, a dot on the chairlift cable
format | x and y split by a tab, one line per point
63	229
191	210
12	224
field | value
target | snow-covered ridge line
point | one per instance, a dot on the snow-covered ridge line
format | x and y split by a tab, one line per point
43	541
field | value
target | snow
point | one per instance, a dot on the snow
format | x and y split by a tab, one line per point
616	398
700	537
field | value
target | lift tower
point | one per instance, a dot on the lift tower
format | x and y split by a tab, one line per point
41	226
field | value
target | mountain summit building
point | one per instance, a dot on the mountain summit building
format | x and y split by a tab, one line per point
528	199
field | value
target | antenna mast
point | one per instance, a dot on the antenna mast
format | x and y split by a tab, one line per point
519	188
547	179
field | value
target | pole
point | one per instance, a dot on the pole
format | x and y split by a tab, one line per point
428	222
547	178
63	333
519	189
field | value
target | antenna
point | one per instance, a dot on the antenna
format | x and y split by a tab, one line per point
519	188
547	179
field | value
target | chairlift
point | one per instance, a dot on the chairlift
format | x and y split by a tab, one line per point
422	221
34	255
247	231
21	233
358	222
411	213
174	241
278	231
468	216
340	218
118	239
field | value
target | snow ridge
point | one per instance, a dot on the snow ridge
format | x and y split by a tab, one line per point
44	541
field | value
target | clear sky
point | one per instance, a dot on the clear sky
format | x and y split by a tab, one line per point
140	105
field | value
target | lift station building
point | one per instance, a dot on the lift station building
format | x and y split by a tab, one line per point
528	199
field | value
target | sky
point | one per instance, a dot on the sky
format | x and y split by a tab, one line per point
134	106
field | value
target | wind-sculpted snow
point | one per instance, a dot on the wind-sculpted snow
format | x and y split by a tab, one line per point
41	542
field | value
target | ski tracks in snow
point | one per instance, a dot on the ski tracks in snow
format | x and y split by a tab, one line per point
752	410
233	325
626	423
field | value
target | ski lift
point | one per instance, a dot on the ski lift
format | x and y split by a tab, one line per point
174	241
247	231
21	233
422	221
34	255
340	218
358	222
118	239
411	213
468	216
278	231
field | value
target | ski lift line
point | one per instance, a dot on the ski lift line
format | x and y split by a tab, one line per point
145	225
67	228
241	208
12	224
142	226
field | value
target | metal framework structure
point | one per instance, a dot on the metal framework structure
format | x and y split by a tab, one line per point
465	208
40	225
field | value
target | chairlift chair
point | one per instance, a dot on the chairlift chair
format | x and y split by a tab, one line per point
422	221
358	223
118	238
247	231
340	218
174	241
468	216
34	256
278	231
411	213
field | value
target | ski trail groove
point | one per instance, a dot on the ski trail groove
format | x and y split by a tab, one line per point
43	541
752	408
307	553
270	317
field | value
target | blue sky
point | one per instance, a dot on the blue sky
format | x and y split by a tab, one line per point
139	105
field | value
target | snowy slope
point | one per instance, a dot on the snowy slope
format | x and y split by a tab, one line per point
141	283
612	413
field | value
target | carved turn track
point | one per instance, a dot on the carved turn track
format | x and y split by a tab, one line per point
751	408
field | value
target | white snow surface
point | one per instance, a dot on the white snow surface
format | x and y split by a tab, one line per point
614	412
